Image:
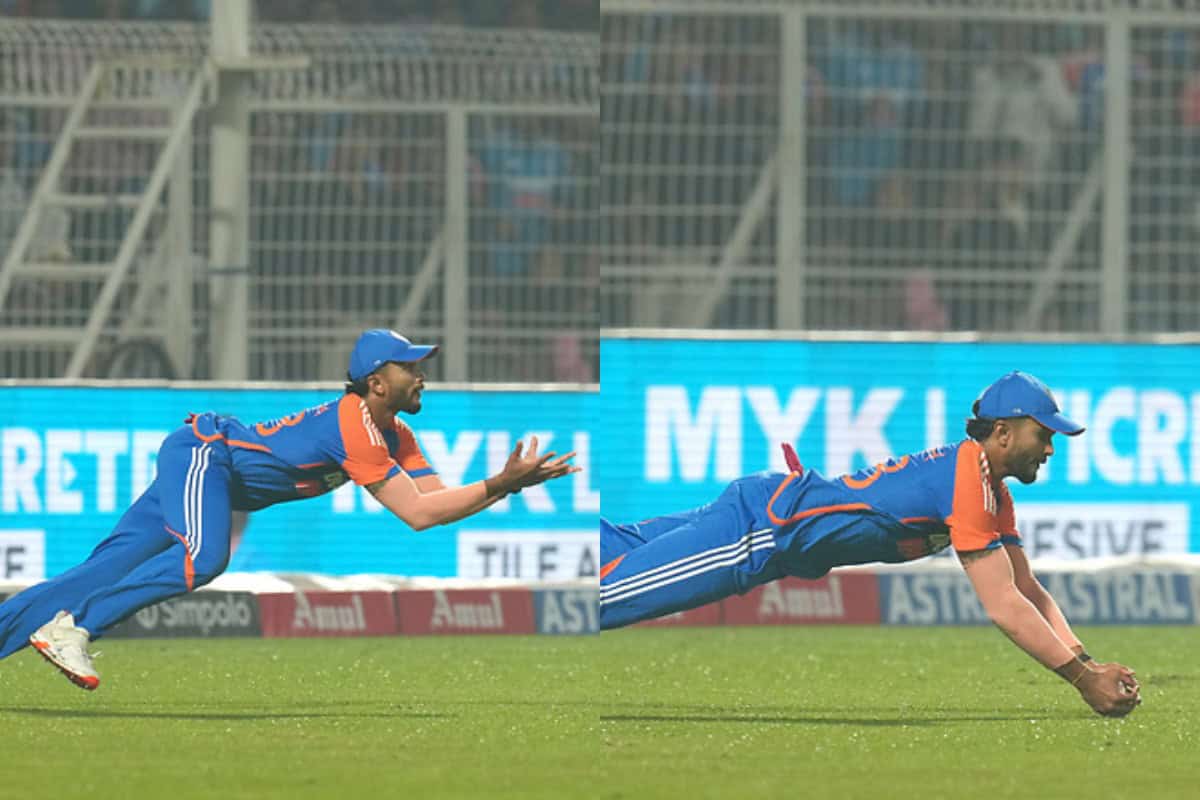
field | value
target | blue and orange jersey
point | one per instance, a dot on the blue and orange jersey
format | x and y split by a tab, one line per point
311	452
907	507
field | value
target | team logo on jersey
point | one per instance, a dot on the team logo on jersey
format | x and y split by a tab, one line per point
921	546
326	483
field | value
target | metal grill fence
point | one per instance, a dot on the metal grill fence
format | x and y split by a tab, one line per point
349	177
923	165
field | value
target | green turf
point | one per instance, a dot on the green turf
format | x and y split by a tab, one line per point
805	712
846	712
382	718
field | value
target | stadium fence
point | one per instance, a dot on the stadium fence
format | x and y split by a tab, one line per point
910	165
438	180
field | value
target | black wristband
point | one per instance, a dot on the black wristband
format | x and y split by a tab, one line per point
1084	656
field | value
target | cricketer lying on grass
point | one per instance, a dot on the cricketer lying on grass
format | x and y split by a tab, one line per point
769	525
176	536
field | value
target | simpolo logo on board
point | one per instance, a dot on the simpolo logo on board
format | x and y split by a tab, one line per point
199	614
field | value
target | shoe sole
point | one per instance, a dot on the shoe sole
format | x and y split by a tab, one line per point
82	681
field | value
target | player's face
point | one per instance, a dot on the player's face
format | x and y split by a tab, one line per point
402	385
1031	447
410	383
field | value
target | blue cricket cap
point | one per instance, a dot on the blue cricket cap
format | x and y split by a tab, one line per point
378	346
1019	394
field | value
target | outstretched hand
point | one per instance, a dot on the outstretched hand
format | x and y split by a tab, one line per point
1110	689
1127	676
525	467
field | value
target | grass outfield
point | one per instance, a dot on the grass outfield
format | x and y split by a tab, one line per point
849	712
805	712
430	717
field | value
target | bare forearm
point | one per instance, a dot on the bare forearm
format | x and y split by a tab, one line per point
438	508
1025	624
1106	688
427	484
487	502
423	510
991	573
1044	602
496	490
424	505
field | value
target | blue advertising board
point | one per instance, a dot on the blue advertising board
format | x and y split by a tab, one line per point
1144	597
567	611
73	458
682	417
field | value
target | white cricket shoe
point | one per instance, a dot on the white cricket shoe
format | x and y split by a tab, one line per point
64	644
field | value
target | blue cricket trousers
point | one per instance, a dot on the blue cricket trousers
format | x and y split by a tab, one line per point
173	539
762	527
684	560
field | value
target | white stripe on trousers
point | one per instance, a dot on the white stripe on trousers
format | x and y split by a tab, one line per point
729	561
690	567
686	560
187	498
200	500
193	508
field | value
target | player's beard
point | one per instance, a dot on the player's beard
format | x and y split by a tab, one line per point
1030	474
407	401
413	403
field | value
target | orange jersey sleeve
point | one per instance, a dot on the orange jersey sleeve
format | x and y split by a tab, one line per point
975	514
1006	517
366	458
408	453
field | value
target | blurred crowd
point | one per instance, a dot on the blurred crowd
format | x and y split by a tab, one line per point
943	160
343	204
346	205
565	15
362	196
948	166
